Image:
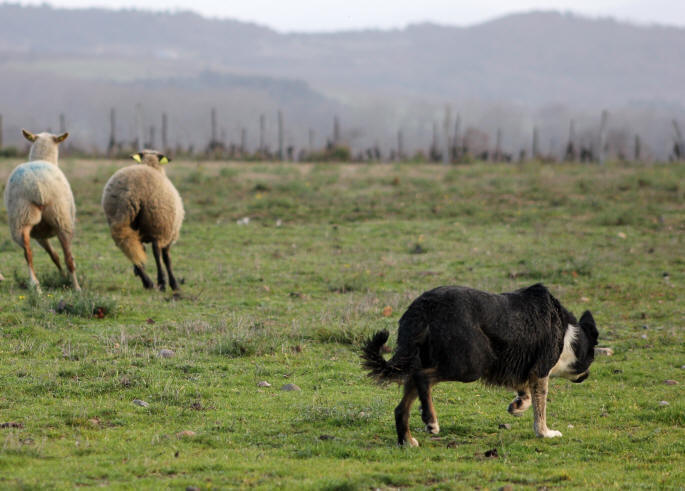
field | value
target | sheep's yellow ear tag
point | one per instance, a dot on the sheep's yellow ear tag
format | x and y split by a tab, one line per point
163	160
136	157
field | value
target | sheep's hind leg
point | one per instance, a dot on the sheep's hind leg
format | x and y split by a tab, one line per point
65	241
167	262
161	279
28	255
45	243
140	273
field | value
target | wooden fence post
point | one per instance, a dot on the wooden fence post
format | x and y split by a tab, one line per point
603	137
679	144
281	155
262	129
455	140
165	129
638	149
446	131
336	131
498	146
570	154
112	133
139	127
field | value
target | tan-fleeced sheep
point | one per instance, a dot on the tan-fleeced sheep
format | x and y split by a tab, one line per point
142	205
40	203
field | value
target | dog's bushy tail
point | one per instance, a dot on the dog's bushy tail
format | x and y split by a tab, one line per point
379	369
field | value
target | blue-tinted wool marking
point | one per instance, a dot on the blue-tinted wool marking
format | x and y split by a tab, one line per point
35	167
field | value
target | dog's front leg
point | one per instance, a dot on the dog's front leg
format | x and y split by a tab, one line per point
522	401
539	392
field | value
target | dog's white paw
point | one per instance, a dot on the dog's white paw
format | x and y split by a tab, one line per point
551	434
413	442
433	428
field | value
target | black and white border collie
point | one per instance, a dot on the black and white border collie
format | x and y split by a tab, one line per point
452	333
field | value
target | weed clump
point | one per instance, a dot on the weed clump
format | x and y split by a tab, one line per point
83	304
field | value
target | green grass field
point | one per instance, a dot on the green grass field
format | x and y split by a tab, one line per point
288	297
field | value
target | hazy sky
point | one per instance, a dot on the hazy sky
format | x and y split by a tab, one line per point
327	15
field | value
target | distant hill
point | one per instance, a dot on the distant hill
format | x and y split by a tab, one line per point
519	65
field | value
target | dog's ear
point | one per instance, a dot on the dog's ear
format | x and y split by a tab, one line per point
587	323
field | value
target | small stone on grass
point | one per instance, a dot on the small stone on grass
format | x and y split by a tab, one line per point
604	351
263	383
671	382
290	388
663	403
141	403
504	426
166	353
185	434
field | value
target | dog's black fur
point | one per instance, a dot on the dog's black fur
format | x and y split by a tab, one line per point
456	333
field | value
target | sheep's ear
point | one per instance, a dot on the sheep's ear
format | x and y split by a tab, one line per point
60	138
163	159
28	135
138	157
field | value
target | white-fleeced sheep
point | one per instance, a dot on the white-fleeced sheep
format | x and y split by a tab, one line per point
142	205
40	203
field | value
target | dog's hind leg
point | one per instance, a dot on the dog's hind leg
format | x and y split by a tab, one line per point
424	380
402	415
539	392
522	401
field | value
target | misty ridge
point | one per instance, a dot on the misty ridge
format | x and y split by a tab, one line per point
504	77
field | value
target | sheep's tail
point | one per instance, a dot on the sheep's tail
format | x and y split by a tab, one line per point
393	370
128	240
